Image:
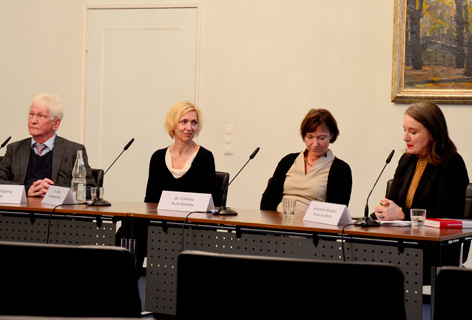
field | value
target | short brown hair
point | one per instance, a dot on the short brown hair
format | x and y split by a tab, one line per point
319	118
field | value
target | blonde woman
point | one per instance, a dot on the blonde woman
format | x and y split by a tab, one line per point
184	166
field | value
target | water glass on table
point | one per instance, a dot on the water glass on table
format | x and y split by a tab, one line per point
96	193
418	216
289	207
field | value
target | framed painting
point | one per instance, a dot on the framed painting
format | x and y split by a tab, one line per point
432	51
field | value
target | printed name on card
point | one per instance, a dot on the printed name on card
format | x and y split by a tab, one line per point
328	213
185	201
58	196
12	193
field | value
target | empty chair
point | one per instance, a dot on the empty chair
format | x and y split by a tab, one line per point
211	286
452	291
67	281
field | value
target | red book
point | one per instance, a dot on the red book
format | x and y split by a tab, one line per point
442	223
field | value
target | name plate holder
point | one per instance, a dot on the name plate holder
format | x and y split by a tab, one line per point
185	201
328	213
11	193
58	195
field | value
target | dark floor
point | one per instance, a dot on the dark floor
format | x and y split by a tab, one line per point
142	294
426	312
142	291
426	307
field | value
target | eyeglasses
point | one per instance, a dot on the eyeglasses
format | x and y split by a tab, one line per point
40	117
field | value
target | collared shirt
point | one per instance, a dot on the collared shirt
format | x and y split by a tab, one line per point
49	145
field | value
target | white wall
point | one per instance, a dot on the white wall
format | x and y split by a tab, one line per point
263	64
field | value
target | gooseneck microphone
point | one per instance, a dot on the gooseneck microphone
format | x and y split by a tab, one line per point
367	221
103	202
228	211
5	142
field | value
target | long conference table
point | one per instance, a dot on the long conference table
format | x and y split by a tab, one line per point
251	232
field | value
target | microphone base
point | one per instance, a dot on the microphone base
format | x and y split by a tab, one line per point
100	202
366	222
226	212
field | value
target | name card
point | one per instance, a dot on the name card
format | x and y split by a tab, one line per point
328	213
185	201
11	193
58	195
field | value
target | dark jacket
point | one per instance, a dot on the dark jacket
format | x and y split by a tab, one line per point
15	163
441	190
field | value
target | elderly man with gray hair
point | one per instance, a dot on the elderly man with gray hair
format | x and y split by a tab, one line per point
44	159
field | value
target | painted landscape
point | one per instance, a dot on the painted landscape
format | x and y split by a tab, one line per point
438	52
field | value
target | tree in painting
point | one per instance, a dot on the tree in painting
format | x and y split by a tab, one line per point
438	47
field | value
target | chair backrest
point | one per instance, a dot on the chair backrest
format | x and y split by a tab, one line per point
223	180
468	199
389	185
68	281
211	286
452	295
468	202
98	176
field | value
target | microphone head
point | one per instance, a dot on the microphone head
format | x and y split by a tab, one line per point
390	156
129	143
254	153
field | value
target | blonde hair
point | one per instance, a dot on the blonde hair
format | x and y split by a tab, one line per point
176	112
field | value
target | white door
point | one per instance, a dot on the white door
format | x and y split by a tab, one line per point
140	61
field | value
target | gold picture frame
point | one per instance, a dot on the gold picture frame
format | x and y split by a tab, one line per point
420	32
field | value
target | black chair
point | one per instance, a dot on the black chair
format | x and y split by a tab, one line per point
219	286
452	294
98	176
223	180
68	281
389	185
468	202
